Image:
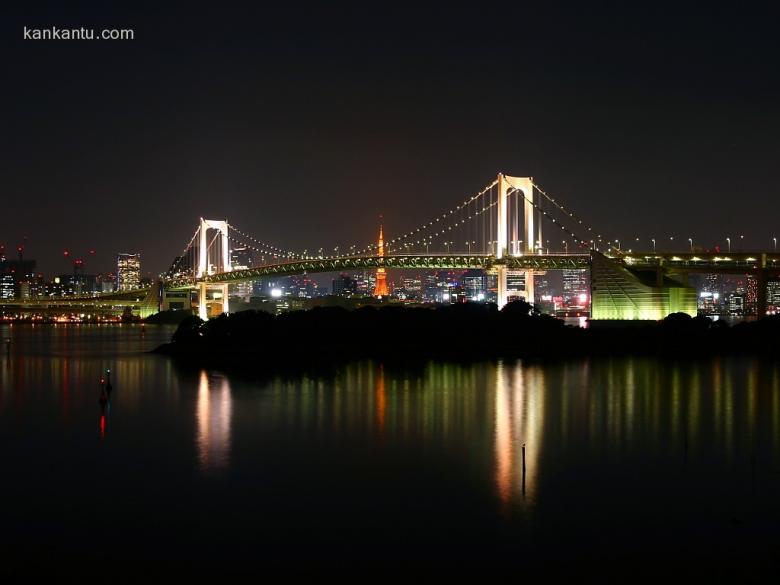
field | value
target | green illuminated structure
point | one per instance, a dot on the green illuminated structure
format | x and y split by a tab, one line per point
620	293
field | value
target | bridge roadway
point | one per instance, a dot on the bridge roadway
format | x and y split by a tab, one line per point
404	261
707	262
729	262
111	303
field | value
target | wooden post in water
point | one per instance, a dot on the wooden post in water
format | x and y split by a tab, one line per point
523	469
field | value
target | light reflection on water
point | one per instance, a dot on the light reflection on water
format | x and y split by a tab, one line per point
695	443
214	413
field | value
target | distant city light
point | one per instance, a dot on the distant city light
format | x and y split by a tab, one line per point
276	293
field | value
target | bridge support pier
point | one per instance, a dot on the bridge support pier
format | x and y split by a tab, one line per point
529	287
203	289
503	290
502	295
203	311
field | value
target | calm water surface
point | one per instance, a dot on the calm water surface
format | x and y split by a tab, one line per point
633	467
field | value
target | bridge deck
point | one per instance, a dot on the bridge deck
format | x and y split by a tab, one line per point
406	261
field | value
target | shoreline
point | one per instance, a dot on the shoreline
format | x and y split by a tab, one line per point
250	339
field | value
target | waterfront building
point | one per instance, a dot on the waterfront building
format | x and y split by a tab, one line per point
576	288
128	271
474	285
241	259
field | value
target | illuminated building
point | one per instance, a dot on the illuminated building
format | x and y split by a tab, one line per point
302	287
751	295
106	282
618	293
344	286
542	286
411	288
737	304
773	296
709	303
576	288
7	286
128	271
380	289
13	273
475	285
241	259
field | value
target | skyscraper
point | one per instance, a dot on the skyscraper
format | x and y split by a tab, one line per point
128	271
576	288
241	259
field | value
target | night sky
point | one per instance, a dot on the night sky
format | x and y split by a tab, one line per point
300	124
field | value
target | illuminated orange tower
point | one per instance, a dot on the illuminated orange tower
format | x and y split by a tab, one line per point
380	289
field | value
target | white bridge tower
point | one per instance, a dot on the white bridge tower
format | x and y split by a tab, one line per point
213	257
531	242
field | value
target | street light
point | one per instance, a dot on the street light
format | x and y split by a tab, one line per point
469	245
741	242
653	240
565	246
618	244
691	241
728	243
774	241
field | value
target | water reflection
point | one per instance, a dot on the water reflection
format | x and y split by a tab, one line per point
632	426
519	425
214	412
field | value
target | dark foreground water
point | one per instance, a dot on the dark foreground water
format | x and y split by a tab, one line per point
634	468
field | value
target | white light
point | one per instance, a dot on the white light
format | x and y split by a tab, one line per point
276	292
445	297
481	296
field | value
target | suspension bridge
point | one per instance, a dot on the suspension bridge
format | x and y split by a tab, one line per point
500	229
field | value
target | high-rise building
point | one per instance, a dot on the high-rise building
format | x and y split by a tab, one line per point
773	296
751	295
7	286
241	259
344	286
365	283
576	288
128	271
106	282
474	285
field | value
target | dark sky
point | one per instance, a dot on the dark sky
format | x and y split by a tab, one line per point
300	123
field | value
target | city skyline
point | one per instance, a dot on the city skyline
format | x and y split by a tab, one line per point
232	134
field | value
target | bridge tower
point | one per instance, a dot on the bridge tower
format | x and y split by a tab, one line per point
210	263
380	289
506	247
